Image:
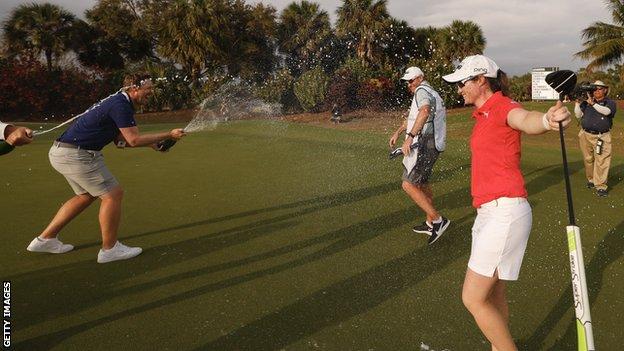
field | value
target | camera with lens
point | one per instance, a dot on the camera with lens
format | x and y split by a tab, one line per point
587	87
580	90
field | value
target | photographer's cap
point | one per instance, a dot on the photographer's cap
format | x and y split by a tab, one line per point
600	84
411	73
471	67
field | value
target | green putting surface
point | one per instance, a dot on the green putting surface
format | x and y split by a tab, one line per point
268	235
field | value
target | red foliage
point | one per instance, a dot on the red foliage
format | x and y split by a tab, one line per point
28	91
342	92
376	93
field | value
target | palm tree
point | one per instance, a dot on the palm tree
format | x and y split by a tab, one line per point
94	49
362	22
39	29
121	28
251	47
303	31
604	42
460	39
196	38
402	43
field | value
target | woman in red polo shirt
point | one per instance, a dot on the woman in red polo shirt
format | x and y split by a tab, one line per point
501	229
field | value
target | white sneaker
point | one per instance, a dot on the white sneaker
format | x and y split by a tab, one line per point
118	252
53	245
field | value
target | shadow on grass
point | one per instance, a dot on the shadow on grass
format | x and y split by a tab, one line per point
609	250
551	175
42	307
348	298
616	174
547	177
441	174
343	300
340	240
318	203
411	269
72	276
97	283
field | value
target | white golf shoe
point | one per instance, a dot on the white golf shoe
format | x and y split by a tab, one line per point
53	245
118	252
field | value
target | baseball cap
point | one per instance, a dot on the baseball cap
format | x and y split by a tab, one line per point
411	73
473	66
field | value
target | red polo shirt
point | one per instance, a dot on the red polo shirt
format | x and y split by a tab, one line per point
495	148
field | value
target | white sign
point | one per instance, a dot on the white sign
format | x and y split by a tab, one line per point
540	90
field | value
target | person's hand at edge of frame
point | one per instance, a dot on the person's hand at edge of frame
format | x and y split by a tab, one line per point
18	136
556	114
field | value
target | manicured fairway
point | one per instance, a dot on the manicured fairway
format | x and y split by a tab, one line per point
268	235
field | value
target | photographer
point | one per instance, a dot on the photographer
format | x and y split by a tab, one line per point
596	114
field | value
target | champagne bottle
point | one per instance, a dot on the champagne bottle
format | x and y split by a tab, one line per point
165	145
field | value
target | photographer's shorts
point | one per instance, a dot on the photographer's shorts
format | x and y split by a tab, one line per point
84	170
427	154
499	237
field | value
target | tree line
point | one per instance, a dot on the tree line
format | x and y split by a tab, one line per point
296	56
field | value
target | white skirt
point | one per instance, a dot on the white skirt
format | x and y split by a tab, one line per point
499	237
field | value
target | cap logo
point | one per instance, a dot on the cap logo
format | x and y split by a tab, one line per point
480	69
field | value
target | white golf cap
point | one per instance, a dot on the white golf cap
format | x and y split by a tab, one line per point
473	66
600	84
411	73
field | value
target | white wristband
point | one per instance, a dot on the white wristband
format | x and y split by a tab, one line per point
545	122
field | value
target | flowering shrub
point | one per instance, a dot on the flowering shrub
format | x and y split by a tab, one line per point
376	93
342	91
29	91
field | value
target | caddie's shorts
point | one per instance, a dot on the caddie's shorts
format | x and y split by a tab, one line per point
426	156
84	170
499	237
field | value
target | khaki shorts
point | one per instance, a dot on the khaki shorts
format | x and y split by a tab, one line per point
499	237
84	170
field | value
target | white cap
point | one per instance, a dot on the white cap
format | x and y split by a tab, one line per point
473	66
600	84
411	73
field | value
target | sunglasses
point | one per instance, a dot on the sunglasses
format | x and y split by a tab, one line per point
463	82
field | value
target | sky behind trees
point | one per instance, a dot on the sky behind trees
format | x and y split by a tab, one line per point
521	34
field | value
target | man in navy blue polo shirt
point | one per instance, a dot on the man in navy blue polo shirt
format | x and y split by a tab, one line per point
596	114
77	155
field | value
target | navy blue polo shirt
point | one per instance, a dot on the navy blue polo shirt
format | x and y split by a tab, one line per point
595	121
100	124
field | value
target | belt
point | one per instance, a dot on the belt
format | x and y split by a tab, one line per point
504	201
594	131
69	146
